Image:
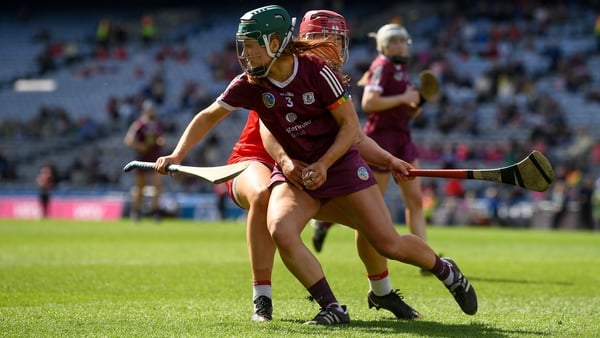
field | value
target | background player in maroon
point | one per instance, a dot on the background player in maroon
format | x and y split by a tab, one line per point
391	102
146	137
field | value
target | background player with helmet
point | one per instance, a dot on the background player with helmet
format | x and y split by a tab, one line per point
390	102
391	131
249	191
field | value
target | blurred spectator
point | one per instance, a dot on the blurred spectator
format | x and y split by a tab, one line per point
112	109
148	30
103	31
597	32
121	33
560	199
45	62
585	203
596	205
453	187
71	53
46	180
7	169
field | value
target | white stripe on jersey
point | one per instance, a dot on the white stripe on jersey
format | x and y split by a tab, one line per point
332	80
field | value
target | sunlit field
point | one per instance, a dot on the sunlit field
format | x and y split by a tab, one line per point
192	278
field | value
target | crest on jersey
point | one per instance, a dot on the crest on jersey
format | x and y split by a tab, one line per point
308	98
399	76
291	117
362	173
268	100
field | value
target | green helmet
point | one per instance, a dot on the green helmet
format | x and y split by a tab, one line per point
262	22
259	24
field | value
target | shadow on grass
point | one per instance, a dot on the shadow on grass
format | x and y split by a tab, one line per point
518	281
426	328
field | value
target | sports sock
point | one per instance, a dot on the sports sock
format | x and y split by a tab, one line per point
261	288
322	294
442	271
380	284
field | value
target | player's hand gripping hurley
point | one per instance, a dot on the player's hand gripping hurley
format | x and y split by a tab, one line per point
214	175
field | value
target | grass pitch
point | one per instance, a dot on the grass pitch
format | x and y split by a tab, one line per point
192	279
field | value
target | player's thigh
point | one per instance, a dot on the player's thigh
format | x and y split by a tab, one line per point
290	208
251	187
366	212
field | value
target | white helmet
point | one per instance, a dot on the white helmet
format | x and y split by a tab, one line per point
388	31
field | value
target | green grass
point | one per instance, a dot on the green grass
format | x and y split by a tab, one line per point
184	279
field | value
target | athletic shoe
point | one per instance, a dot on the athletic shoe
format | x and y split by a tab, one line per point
319	235
263	309
394	303
462	290
331	316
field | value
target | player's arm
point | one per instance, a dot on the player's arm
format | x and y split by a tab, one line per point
196	130
292	169
347	119
373	154
130	139
373	101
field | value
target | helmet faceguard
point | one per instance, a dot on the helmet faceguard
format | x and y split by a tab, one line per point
323	24
386	33
260	24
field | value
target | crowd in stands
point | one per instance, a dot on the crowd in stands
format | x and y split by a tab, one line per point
507	70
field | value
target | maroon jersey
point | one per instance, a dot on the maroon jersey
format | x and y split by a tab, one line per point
148	133
297	113
390	128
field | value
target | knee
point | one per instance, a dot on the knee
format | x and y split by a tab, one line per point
284	239
260	198
392	249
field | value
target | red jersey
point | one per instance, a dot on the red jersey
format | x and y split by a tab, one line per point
249	146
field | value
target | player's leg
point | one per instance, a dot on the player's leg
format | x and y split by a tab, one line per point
413	200
138	193
319	234
381	293
289	210
251	192
368	214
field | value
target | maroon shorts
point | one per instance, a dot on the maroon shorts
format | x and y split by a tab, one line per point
348	174
399	145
